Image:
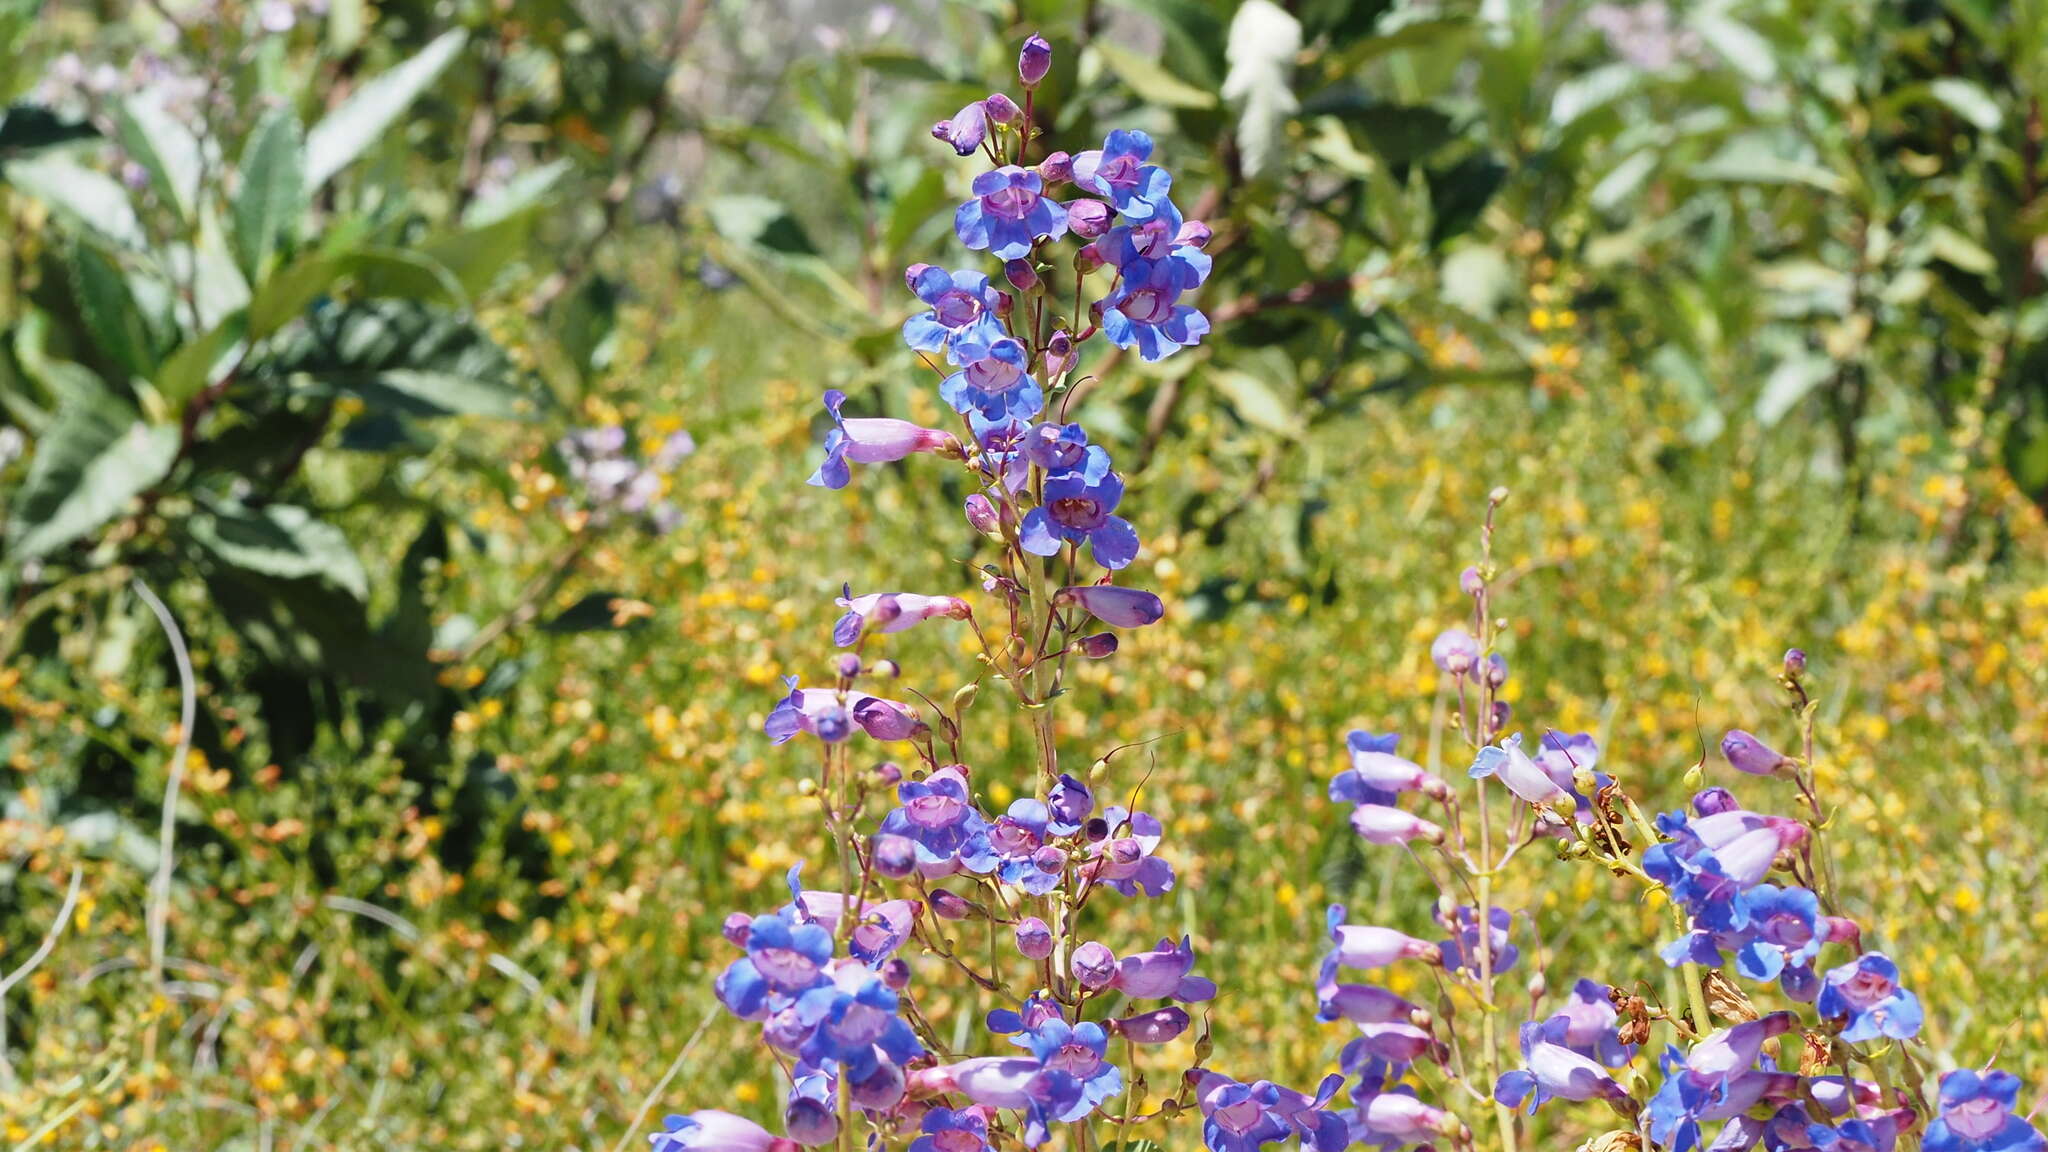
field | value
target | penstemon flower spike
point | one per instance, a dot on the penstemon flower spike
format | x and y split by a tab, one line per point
1002	899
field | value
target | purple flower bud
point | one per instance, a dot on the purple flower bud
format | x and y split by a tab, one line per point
1057	168
810	1122
966	130
736	928
1193	234
1034	938
1795	661
1070	803
1454	651
1021	275
1384	824
981	515
1088	219
1087	258
912	274
1502	713
1001	109
1049	860
1117	607
1157	1027
947	905
1100	646
887	669
1496	669
1714	801
1006	304
1746	753
887	719
1094	965
1059	353
1034	60
896	974
849	665
894	856
1470	582
888	774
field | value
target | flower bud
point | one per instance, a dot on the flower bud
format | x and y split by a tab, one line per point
887	669
1454	651
1100	646
1470	582
1006	304
894	856
1059	353
1088	257
1159	1027
1034	60
1746	753
981	516
1496	669
737	928
1714	801
1034	938
1193	234
947	905
888	774
1088	219
1021	275
966	130
1795	662
896	974
1057	168
1502	713
810	1122
1002	110
849	665
1116	607
1094	965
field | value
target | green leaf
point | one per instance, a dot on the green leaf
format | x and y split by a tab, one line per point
1789	383
1401	133
1968	99
95	457
759	222
595	613
165	148
273	192
1264	39
280	540
522	194
1256	401
84	197
109	310
404	357
1430	32
1149	80
1751	160
913	208
199	363
368	113
26	128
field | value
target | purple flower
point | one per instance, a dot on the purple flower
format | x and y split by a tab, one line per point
1976	1115
1381	824
1394	1119
1118	172
818	711
1563	757
854	1023
1377	776
1712	861
1362	1004
945	1130
1246	1117
1865	992
1008	214
1144	310
1117	607
809	1119
890	612
995	385
1034	60
1521	774
887	720
1163	973
711	1130
1717	1081
1159	1026
1746	753
1373	947
1552	1070
1464	950
1001	109
1094	965
1089	219
872	440
1078	510
1123	855
962	321
1455	651
1061	448
1590	1025
1001	439
1034	938
966	130
938	816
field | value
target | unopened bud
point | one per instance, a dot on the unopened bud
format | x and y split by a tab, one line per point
1006	304
981	515
894	856
1034	60
1057	168
1471	582
806	786
947	905
888	669
963	699
1088	219
1034	938
1795	662
1002	110
1021	275
849	665
896	974
1100	646
1059	353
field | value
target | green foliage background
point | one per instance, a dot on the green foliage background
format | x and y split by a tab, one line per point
1743	304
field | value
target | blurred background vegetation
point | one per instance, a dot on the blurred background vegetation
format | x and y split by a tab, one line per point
1743	302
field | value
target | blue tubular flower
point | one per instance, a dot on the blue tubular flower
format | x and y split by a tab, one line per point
962	321
1124	857
995	385
1144	310
1468	945
1977	1116
1064	448
1784	933
1078	510
1117	171
1590	1027
945	1130
1865	992
1377	776
939	818
1553	1071
854	1024
714	1131
1002	439
890	612
1008	214
1245	1117
789	953
1080	1051
1164	973
871	440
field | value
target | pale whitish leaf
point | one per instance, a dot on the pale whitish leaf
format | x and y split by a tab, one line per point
367	114
165	148
1738	44
218	287
522	193
1751	160
1477	279
88	198
1946	244
1966	98
1595	89
1256	402
1150	80
283	541
1788	384
93	458
1264	39
273	191
1623	180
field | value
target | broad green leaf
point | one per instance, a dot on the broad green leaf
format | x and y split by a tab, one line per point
1968	99
1255	401
1430	32
280	540
109	310
218	288
1751	160
273	192
522	194
759	222
83	196
1740	45
26	128
1591	90
94	458
401	356
205	361
1149	80
1402	133
1264	39
914	207
165	148
1788	384
369	112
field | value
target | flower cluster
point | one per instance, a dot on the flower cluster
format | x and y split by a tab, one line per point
613	482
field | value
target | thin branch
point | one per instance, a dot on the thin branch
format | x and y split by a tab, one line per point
34	961
167	827
675	1066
